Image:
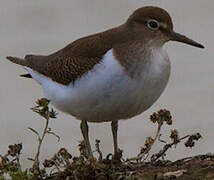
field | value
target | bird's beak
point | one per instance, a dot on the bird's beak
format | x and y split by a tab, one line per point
181	38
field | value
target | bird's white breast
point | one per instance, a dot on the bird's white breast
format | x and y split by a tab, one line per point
107	92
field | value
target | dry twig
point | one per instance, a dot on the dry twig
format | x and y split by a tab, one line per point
160	117
43	110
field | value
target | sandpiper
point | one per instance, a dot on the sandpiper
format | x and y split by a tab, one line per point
109	76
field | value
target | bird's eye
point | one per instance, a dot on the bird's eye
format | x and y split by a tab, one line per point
153	24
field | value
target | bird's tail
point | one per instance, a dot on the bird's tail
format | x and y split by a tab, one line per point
21	62
16	60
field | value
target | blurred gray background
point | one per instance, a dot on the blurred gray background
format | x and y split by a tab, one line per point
42	27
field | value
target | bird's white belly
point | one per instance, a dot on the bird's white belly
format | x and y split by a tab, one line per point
107	93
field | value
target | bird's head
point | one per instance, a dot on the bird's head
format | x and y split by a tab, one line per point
155	24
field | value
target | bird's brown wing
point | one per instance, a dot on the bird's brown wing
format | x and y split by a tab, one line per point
68	69
69	63
77	58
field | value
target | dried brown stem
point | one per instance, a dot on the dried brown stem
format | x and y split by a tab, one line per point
43	110
97	146
142	154
161	153
160	117
36	160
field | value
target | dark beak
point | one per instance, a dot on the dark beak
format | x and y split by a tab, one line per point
181	38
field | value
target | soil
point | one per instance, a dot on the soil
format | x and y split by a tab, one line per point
199	167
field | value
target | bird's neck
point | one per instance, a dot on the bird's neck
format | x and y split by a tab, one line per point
134	54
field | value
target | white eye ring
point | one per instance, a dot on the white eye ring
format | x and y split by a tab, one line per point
153	24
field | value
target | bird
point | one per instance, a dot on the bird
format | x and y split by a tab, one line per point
109	76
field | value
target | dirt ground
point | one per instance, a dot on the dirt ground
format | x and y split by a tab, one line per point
199	167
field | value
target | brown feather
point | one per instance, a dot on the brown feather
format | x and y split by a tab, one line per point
17	60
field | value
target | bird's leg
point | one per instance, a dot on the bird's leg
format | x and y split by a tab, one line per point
84	129
114	128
